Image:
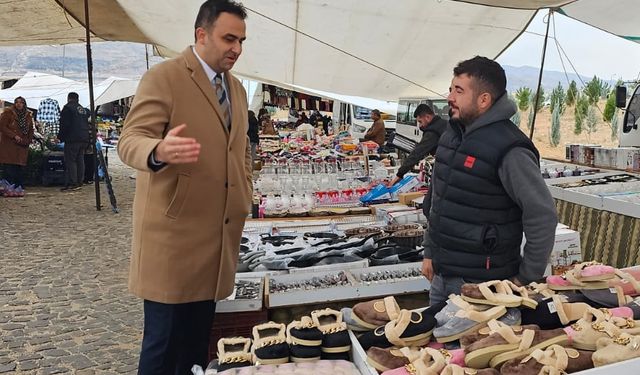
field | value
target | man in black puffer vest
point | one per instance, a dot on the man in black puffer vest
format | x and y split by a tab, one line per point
74	132
486	189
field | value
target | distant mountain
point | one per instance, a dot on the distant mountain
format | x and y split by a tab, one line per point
127	60
527	76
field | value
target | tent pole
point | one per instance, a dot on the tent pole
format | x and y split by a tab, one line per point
146	52
94	130
544	54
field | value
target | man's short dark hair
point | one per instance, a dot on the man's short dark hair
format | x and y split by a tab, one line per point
423	109
489	75
73	96
210	11
376	111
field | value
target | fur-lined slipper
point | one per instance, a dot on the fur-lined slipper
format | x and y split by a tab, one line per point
388	359
598	323
554	312
628	281
609	297
455	303
556	360
502	339
530	341
373	314
457	370
586	275
493	292
409	329
428	362
270	344
304	332
465	322
521	292
539	291
234	352
613	350
335	337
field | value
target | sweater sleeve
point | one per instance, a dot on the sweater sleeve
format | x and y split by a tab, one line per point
521	178
427	144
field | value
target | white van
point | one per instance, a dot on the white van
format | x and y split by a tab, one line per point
358	119
406	124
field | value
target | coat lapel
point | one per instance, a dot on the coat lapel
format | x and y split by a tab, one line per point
199	77
236	115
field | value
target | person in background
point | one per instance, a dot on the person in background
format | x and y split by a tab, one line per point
432	127
74	132
326	121
16	134
377	131
186	135
486	190
252	132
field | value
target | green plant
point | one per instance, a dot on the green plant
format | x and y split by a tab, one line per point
554	135
596	89
523	98
614	124
609	107
580	111
557	99
541	97
572	94
591	121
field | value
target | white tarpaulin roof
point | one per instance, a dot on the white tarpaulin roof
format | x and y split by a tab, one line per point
35	87
375	48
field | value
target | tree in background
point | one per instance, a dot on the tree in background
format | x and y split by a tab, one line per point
591	121
609	107
580	112
523	98
614	124
557	98
540	101
554	134
572	94
596	89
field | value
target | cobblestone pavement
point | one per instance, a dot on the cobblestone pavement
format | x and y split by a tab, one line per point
64	306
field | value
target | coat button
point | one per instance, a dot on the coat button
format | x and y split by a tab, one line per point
226	221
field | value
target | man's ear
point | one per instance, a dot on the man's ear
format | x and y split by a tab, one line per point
484	101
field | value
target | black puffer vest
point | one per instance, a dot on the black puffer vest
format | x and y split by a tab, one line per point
475	225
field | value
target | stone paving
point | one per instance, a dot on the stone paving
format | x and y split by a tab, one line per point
64	305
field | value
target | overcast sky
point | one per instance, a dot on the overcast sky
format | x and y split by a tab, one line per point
592	51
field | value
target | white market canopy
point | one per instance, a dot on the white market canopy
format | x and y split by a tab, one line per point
35	87
376	48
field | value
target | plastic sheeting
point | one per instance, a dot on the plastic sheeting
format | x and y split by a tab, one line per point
375	48
35	87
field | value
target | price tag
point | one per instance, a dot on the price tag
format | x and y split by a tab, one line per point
613	290
552	307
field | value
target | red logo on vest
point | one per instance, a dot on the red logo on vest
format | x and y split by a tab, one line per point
469	161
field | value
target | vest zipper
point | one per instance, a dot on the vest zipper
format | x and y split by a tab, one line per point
488	263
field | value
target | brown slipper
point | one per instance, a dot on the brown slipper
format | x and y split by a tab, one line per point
373	314
530	341
555	360
490	293
502	339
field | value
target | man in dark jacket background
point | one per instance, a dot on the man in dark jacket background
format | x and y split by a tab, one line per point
432	127
253	133
74	132
486	189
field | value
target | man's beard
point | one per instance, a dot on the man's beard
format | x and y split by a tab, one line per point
468	117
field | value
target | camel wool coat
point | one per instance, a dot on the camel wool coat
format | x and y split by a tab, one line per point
187	218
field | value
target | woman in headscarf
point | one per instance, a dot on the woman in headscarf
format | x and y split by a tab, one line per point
16	134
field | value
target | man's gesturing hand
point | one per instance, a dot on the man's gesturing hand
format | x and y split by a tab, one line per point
174	149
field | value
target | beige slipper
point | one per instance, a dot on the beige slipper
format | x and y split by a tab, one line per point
493	292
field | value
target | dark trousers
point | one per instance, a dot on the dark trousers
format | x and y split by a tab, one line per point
74	162
176	337
14	174
89	167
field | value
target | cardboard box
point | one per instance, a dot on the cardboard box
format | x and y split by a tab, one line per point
566	251
406	198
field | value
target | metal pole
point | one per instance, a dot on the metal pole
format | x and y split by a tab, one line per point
544	54
96	177
146	52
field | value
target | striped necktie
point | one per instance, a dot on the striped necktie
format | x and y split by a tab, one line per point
222	99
